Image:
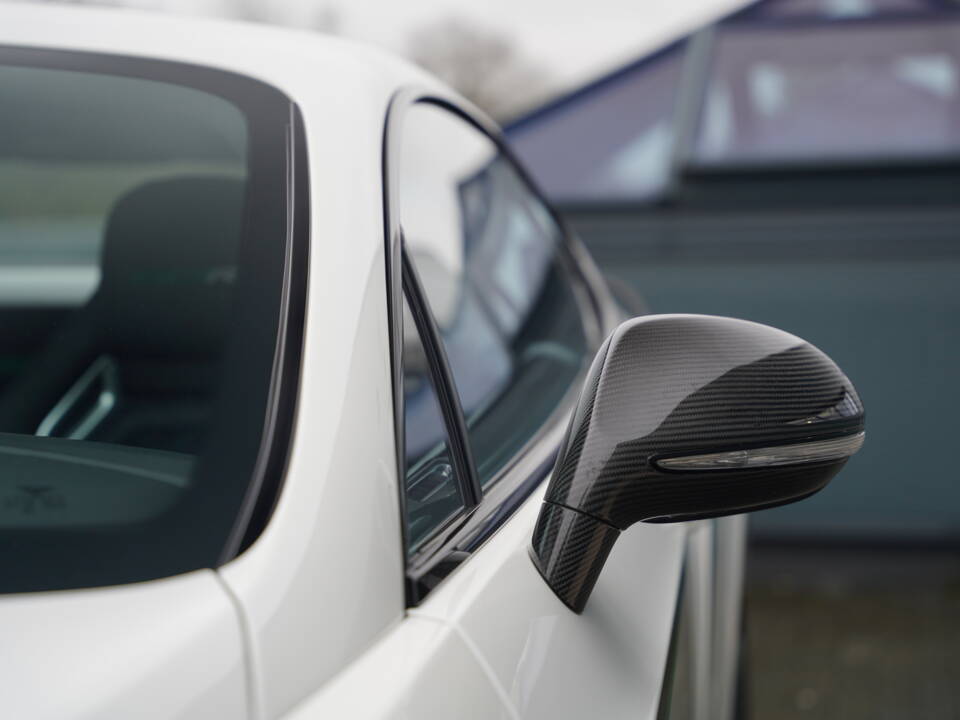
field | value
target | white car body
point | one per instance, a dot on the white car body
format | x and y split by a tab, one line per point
311	620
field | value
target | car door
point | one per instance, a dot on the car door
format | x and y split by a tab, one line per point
507	314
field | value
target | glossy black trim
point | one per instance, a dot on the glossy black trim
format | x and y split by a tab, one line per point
487	525
447	396
453	543
280	426
393	276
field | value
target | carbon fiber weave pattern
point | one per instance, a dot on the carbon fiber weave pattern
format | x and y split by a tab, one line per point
687	384
679	385
569	550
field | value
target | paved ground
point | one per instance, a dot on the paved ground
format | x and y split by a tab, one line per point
854	634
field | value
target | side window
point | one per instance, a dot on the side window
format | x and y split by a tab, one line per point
432	491
142	276
488	255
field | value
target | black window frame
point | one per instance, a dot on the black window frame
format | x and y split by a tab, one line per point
488	508
288	208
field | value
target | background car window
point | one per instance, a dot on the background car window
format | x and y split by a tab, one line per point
833	91
432	491
131	407
487	252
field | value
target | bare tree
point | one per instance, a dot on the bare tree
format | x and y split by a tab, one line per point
481	63
251	10
324	18
107	3
327	19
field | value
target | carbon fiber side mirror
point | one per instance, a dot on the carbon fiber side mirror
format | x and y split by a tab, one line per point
684	417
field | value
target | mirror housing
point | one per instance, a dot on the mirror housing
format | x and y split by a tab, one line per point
684	417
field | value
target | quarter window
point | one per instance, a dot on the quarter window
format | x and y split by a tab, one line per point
488	254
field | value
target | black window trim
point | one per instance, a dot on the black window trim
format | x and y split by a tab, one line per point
465	468
453	542
270	471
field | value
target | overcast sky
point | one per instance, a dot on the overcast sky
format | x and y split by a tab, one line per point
572	39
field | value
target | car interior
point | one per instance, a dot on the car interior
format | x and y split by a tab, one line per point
136	364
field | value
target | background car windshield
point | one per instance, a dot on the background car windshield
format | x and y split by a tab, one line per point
123	294
842	92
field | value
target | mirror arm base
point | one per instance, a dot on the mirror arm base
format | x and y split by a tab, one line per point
569	550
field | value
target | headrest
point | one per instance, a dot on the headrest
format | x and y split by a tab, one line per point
169	266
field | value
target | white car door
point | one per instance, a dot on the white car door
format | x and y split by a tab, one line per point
501	317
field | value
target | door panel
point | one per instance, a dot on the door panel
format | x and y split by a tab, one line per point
516	328
171	648
608	662
421	669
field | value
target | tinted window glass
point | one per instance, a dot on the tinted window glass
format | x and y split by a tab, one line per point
833	91
612	140
487	253
59	183
432	492
134	376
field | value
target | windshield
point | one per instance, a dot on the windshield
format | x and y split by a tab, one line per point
138	345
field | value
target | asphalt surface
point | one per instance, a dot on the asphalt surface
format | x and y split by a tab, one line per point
839	633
